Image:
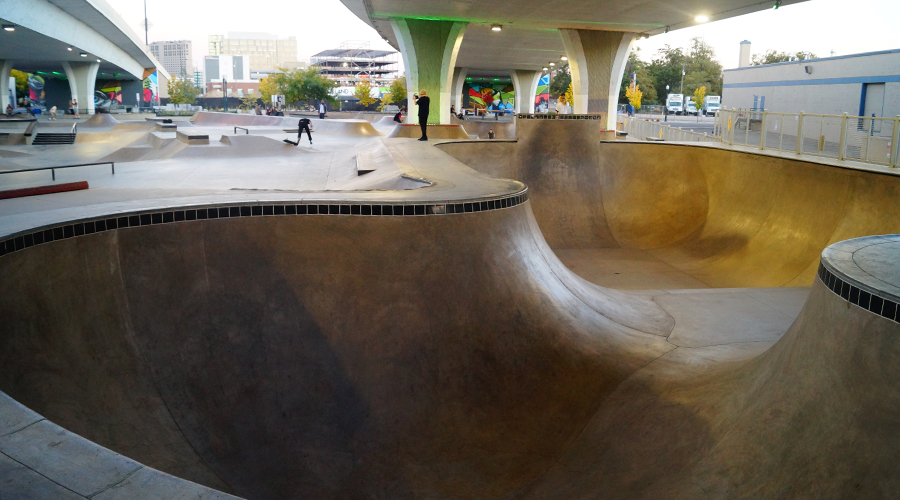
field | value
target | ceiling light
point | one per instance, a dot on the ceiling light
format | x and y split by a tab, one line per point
69	49
701	18
563	58
777	4
496	27
546	69
83	54
552	64
98	60
9	27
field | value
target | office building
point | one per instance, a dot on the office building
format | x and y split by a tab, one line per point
175	56
265	50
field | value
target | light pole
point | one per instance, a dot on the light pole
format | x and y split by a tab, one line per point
225	94
146	27
666	105
682	79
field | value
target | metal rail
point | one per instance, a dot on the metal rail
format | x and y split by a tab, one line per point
53	169
242	128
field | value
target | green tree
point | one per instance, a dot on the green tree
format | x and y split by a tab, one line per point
643	77
398	91
182	90
249	101
21	82
771	57
267	88
304	85
363	92
698	63
561	81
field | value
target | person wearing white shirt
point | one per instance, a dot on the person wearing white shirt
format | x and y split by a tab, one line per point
322	109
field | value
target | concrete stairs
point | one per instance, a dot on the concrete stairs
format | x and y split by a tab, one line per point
45	138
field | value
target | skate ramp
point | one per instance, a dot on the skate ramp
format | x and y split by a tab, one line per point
434	131
726	218
99	120
164	145
502	130
344	128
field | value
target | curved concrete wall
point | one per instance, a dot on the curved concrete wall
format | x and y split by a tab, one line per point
727	218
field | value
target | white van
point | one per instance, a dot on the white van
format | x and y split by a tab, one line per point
711	104
675	104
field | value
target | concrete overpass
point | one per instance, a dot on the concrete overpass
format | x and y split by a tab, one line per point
78	39
442	41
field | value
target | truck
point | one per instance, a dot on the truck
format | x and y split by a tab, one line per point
675	104
711	104
689	107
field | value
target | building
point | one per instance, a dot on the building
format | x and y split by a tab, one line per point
198	78
228	67
353	61
175	56
266	51
864	84
238	88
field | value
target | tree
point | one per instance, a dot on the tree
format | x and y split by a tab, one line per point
570	96
182	91
699	95
21	82
249	101
771	57
398	91
642	77
267	88
699	65
386	99
304	85
634	95
363	92
561	81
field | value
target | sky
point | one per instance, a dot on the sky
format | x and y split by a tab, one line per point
817	26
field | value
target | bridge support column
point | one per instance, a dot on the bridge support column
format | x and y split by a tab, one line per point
6	66
429	50
597	62
459	79
525	84
82	79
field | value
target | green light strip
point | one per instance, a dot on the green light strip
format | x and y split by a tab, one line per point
387	15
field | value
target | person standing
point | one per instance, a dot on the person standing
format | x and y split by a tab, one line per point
561	105
75	107
491	134
423	102
304	125
53	113
322	109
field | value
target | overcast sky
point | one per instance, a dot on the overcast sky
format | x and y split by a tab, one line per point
818	26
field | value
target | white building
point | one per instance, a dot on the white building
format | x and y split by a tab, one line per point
229	67
858	84
176	57
266	50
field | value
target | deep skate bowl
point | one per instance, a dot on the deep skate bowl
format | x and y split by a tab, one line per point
442	356
726	218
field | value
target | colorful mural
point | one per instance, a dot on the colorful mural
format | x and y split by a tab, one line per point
542	99
151	89
492	96
36	94
109	93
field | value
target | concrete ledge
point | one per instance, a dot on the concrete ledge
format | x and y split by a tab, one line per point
192	139
166	127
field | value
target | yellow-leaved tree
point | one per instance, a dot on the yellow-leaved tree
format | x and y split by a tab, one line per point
363	92
267	88
570	96
699	95
634	94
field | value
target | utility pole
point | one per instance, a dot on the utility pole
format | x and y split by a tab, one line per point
146	27
682	79
225	93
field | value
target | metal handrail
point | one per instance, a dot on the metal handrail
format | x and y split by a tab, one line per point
242	128
74	128
53	169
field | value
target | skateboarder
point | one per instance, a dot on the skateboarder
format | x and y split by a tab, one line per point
423	102
303	125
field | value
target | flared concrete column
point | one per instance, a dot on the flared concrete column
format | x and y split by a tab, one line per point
459	79
597	62
525	83
6	66
429	50
82	79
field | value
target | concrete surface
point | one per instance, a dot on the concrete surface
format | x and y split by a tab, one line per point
448	355
434	131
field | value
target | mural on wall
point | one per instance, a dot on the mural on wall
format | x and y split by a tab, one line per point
542	99
36	93
492	96
109	93
151	94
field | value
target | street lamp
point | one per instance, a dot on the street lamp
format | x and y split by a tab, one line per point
666	106
225	93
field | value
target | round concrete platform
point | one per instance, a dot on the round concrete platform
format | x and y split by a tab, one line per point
865	272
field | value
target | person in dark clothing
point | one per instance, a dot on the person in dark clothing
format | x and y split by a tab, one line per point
491	134
322	110
304	125
423	102
399	117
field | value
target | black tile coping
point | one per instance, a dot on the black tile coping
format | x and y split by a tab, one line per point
882	306
44	235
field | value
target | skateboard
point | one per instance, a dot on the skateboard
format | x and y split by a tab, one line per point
288	141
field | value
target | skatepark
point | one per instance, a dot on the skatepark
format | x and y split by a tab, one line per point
559	315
